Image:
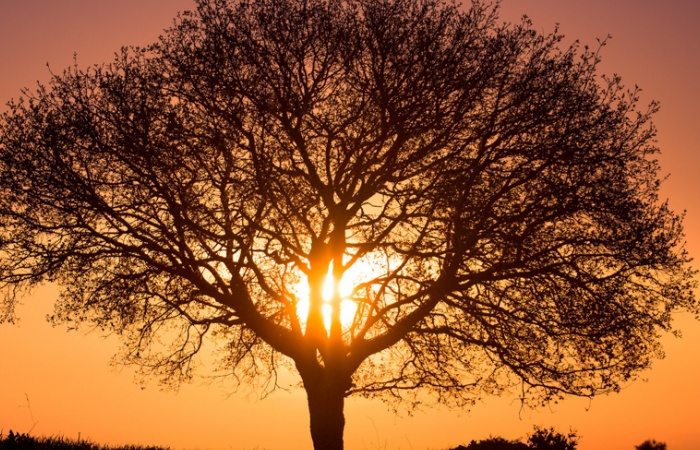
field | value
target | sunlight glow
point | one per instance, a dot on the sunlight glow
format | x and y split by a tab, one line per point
328	285
346	285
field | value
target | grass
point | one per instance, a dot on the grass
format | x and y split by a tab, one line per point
20	441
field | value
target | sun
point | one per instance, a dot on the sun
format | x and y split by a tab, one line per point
346	285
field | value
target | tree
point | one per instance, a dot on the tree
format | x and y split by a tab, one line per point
389	197
651	444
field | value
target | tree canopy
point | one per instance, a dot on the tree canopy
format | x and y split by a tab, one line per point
390	197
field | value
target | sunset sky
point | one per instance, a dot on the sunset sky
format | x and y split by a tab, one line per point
56	382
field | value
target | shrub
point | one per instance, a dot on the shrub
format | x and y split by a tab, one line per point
540	439
549	439
494	443
651	444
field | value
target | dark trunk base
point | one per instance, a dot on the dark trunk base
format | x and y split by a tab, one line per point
325	390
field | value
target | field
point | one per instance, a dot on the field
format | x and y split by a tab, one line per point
19	441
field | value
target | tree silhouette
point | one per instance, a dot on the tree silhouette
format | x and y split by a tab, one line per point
483	201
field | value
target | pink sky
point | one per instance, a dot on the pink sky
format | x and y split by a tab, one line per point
55	382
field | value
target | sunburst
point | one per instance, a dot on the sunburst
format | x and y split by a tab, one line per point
346	286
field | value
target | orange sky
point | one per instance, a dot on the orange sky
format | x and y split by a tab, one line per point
60	383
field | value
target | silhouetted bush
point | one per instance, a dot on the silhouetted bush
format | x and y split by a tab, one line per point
549	439
651	444
540	439
494	443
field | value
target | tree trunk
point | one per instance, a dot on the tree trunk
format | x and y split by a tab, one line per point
326	397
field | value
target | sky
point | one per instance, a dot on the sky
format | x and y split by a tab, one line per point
55	382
